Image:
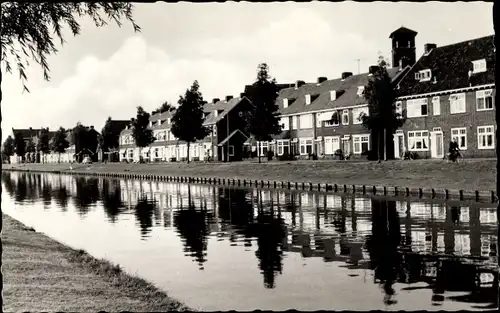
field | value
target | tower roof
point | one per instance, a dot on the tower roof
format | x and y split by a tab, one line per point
403	30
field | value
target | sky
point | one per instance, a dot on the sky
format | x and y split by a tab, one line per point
110	71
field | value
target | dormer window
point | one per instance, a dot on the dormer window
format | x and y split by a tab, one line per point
216	113
308	99
168	120
423	75
333	95
479	66
285	103
361	90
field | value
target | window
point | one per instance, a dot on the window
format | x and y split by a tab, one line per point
332	144
436	106
306	146
169	120
263	147
460	136
361	143
479	66
333	95
285	103
345	117
361	90
358	113
308	99
319	119
457	103
424	75
333	119
484	100
216	113
399	109
306	121
283	147
214	130
418	140
294	121
416	107
157	154
285	123
231	150
485	135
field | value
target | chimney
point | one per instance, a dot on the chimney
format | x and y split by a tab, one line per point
428	47
229	98
299	83
242	95
372	69
321	79
346	75
215	100
92	127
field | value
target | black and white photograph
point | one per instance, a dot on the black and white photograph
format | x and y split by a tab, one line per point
241	156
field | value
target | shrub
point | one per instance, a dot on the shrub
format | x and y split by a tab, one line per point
270	155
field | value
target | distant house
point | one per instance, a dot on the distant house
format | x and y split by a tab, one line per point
29	134
449	94
223	118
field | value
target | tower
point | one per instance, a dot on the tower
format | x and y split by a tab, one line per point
403	47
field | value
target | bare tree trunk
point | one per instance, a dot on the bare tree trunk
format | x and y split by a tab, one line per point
385	144
188	145
259	149
378	145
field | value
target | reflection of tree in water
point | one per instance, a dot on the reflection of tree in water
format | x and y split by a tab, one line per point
46	192
8	183
383	246
87	193
270	232
234	207
192	225
111	199
144	210
21	188
61	195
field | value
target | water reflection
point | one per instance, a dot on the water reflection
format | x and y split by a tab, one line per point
445	248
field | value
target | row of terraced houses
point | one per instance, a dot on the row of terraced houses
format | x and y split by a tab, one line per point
447	94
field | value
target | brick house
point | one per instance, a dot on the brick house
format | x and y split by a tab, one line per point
223	118
448	94
324	117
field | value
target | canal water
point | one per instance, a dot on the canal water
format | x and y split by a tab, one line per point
216	248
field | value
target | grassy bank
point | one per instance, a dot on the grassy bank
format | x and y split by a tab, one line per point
40	274
468	175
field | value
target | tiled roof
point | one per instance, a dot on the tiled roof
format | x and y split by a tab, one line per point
26	133
450	66
402	30
320	94
223	107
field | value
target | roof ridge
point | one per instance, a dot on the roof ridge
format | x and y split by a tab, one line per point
464	41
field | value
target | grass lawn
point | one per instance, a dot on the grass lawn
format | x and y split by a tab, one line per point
468	175
40	274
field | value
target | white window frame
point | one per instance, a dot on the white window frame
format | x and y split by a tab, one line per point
330	140
285	103
285	123
361	91
333	95
304	118
424	75
458	133
418	136
280	146
357	111
295	121
489	130
483	95
412	105
479	66
436	106
319	120
328	122
399	108
345	113
263	145
230	150
458	103
308	99
359	140
304	143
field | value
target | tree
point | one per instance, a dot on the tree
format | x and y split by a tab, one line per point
43	141
8	148
143	136
27	29
110	136
382	120
165	107
263	120
187	122
59	142
19	145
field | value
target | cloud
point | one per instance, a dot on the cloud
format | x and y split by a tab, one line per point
299	45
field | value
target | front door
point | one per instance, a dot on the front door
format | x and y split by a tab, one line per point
346	147
437	148
399	145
